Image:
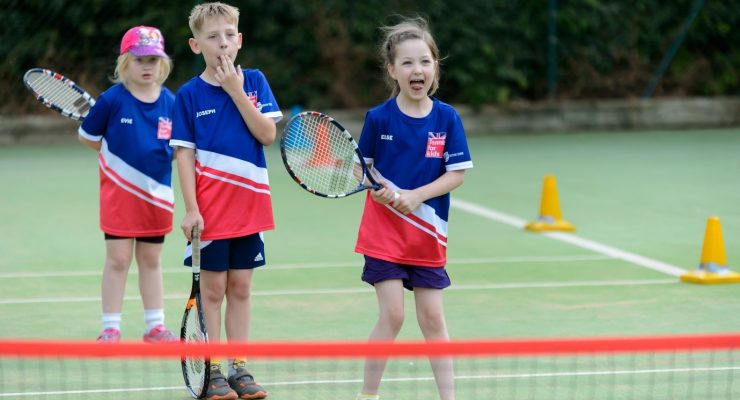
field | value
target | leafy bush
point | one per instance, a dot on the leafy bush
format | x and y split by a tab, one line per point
322	53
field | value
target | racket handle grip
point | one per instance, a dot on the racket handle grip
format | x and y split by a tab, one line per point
396	196
195	248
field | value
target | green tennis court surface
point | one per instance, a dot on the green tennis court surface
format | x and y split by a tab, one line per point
646	195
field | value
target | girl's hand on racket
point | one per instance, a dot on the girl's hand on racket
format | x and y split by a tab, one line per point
191	219
385	194
406	201
230	77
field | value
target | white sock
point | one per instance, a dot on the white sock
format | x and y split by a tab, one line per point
153	317
112	320
363	396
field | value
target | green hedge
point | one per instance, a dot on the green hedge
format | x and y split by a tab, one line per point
322	53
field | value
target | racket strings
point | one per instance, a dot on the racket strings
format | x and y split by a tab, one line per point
59	93
195	367
321	155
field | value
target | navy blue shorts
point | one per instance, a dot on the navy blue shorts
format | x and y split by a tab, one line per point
244	252
377	270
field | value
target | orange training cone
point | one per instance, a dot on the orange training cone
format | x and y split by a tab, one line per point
713	265
322	156
550	218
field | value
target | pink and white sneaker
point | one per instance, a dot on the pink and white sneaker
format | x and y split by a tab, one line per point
160	334
110	335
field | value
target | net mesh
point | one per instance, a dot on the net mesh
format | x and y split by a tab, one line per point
696	367
320	155
57	92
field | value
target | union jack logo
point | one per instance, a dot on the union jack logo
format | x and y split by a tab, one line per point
164	128
252	97
436	144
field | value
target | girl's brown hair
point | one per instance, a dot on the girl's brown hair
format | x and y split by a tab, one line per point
409	28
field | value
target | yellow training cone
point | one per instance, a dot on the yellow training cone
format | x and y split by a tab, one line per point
713	265
550	218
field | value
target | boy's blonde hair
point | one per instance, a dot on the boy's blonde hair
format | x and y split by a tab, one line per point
409	28
200	12
119	74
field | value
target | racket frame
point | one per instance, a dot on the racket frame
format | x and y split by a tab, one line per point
84	95
365	170
195	300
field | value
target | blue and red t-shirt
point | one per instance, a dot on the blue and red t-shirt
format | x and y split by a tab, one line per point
232	187
408	153
136	197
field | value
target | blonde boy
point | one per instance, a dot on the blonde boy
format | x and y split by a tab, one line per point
223	118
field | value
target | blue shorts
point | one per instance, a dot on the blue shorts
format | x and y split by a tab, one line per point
244	252
377	270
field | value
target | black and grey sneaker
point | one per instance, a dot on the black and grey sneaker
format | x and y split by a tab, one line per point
218	388
245	386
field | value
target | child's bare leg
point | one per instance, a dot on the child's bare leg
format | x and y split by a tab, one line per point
150	274
390	320
212	291
118	255
238	304
430	315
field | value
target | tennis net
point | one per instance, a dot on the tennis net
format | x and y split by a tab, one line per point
675	367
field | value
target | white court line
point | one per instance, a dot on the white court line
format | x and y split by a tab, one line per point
572	239
524	375
309	292
320	265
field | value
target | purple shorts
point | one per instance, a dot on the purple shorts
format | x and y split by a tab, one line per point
377	270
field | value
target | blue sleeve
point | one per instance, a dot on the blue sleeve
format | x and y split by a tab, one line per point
266	102
368	138
457	156
94	126
183	134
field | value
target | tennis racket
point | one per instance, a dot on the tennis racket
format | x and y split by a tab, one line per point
195	370
322	157
58	93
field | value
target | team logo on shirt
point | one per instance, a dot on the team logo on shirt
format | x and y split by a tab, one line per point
253	98
448	155
436	144
164	128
